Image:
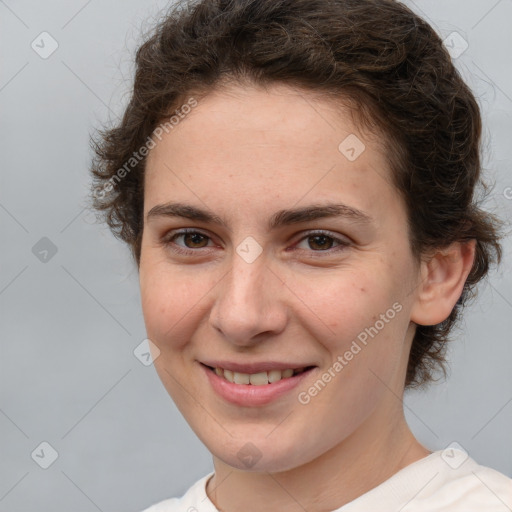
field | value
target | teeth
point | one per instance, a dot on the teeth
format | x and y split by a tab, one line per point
257	379
241	378
274	375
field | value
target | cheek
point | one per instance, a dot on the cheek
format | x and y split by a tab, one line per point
169	304
365	346
367	322
344	304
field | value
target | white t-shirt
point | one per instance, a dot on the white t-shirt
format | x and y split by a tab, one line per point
445	480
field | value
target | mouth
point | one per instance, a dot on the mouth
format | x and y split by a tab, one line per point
255	384
261	378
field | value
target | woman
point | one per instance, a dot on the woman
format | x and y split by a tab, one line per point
296	182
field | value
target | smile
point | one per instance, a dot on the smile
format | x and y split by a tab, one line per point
259	385
257	379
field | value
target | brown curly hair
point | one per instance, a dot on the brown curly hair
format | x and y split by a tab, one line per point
378	56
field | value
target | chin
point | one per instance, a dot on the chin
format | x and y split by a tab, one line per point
259	456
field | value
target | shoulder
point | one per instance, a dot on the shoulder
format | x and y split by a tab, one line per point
445	481
483	488
170	505
461	484
194	500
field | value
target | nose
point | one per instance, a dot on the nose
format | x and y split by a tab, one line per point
249	306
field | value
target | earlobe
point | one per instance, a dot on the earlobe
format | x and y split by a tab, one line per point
442	278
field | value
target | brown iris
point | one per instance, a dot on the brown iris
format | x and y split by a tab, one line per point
324	241
196	239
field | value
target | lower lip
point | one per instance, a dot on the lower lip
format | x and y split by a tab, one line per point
249	395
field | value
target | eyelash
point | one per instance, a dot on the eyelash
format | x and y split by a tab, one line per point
168	241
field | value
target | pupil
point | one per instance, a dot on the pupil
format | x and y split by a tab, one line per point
194	238
323	240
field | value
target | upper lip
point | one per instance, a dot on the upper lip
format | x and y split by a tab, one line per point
250	368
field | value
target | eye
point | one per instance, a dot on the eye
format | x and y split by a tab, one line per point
191	239
320	241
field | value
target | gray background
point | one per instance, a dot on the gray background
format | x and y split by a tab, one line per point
69	325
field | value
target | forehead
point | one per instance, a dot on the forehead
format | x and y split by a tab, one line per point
276	113
276	142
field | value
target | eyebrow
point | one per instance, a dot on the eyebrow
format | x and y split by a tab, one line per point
279	219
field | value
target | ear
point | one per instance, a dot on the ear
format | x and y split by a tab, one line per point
443	274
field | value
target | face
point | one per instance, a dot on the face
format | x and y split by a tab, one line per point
273	243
